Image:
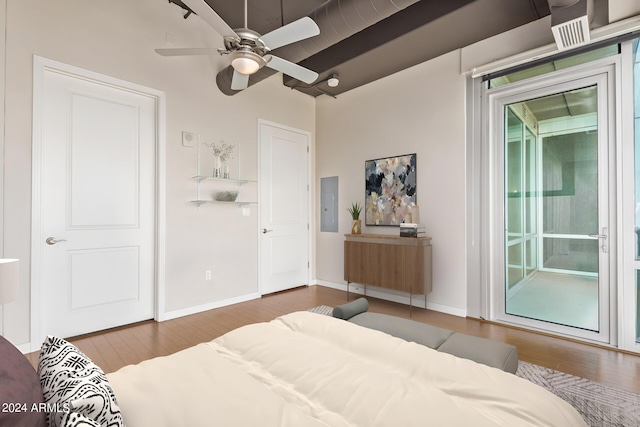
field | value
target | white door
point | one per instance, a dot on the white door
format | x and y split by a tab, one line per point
284	207
94	232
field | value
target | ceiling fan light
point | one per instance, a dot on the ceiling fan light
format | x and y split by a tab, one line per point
245	65
246	62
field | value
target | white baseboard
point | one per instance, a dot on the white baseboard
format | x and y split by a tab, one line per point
205	307
27	347
418	301
402	298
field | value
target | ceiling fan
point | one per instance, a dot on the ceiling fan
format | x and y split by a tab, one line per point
248	50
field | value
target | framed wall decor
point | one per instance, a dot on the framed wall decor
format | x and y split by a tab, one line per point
390	189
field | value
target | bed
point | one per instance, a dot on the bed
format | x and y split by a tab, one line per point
306	369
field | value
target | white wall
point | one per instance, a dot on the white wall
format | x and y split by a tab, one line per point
621	9
419	110
117	38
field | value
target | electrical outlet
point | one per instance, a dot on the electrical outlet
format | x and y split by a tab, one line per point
207	275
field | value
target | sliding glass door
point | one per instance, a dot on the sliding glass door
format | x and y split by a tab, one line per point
552	140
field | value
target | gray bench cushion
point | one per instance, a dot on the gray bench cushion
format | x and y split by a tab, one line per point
409	330
491	353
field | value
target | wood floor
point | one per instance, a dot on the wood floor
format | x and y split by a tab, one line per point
116	348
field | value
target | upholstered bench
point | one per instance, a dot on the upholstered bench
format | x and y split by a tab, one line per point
492	353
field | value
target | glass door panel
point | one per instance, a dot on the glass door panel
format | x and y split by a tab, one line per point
531	172
514	177
532	256
515	271
553	201
570	255
519	188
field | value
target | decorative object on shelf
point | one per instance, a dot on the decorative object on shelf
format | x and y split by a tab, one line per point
390	189
356	223
222	152
225	196
408	229
221	189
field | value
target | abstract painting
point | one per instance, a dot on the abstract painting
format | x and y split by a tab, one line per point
390	189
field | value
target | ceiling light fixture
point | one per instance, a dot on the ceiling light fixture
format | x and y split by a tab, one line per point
246	62
333	80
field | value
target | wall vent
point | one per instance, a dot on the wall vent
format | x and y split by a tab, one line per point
570	25
572	34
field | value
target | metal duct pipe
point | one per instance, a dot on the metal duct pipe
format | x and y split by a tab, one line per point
558	4
561	3
337	20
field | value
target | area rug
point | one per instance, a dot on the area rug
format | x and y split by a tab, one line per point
599	405
322	309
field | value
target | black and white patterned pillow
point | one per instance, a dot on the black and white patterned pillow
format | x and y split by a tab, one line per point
75	387
73	419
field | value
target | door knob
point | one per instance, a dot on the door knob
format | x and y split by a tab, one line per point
265	231
53	240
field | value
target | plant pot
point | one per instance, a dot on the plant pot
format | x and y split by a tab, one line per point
356	226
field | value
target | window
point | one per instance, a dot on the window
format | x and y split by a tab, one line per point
554	65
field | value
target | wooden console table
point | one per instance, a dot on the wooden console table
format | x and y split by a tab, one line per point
390	262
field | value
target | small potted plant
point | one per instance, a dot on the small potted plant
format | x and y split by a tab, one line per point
356	224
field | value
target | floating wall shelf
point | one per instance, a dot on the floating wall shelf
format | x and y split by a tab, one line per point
223	184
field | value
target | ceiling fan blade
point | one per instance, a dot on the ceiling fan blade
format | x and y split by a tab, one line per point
291	69
183	51
295	31
239	81
204	11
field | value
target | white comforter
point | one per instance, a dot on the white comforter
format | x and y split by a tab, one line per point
305	369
